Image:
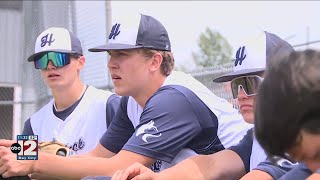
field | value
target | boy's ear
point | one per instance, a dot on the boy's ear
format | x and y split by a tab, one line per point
81	61
156	61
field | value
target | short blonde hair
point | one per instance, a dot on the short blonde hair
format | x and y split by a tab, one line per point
167	64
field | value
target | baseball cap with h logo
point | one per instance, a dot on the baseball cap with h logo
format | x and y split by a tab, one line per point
141	31
56	39
254	54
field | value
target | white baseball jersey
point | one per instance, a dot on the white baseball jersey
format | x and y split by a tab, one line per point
82	129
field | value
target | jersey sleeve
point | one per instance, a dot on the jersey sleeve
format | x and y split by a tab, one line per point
278	169
243	149
27	129
111	107
167	124
120	129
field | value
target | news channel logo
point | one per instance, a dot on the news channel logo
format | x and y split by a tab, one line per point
26	147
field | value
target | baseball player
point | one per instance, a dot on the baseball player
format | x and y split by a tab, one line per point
251	59
78	114
163	117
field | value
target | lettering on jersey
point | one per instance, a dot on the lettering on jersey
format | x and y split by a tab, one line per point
47	40
114	31
240	56
148	130
78	145
156	167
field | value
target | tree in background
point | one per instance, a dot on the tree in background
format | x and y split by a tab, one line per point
214	49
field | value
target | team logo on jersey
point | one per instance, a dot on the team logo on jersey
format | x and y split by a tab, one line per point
47	40
115	31
78	145
240	56
147	131
285	163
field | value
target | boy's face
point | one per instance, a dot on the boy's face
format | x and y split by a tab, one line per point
244	88
246	106
62	77
307	150
129	71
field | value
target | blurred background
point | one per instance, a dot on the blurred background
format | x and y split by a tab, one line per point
203	35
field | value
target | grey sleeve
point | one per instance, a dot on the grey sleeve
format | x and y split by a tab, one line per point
113	103
27	129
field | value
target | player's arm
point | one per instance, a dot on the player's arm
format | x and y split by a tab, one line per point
82	167
77	168
98	151
314	176
232	163
93	153
225	164
257	174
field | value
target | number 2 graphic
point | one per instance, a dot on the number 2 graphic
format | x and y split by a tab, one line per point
30	150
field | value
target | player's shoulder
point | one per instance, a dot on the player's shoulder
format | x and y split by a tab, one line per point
173	93
101	96
44	109
175	98
98	93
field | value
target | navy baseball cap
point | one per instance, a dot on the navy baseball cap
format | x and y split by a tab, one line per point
56	39
254	54
141	31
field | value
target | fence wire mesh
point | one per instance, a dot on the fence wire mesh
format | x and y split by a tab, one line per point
206	76
6	111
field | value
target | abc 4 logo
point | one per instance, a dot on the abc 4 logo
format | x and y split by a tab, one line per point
25	147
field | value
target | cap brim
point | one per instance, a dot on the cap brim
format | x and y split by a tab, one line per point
230	76
33	56
113	46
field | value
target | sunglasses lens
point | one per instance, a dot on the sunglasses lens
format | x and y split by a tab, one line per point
58	60
41	62
249	84
234	87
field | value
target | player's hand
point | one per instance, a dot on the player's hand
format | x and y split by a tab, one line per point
136	171
6	143
10	166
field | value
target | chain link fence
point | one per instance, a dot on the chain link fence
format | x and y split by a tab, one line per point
206	76
6	111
